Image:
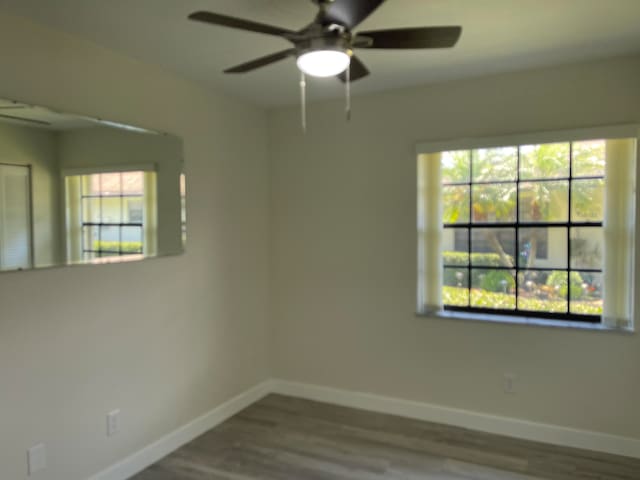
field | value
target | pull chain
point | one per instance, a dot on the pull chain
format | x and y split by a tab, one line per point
303	101
348	92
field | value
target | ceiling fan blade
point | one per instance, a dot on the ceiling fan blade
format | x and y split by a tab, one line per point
426	37
262	61
348	12
22	119
239	23
357	70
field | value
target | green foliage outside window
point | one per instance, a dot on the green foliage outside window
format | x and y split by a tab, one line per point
542	198
114	246
558	280
454	276
498	281
460	296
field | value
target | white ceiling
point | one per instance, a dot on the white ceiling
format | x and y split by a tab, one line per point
498	36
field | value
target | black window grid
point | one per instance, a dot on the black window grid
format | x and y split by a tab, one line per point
517	225
91	252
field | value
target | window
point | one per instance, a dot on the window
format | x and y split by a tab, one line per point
110	214
535	229
108	228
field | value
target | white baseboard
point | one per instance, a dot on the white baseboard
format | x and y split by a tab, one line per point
512	427
152	453
540	432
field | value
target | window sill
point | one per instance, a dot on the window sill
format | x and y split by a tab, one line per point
527	321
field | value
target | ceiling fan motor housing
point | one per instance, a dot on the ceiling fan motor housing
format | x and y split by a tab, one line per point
340	43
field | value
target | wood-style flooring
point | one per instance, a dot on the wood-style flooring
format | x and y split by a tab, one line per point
288	438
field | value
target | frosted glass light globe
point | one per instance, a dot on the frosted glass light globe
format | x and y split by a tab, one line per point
323	63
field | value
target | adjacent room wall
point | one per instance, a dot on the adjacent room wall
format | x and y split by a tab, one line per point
38	148
344	242
164	340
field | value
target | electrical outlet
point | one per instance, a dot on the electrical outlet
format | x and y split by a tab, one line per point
37	458
509	383
113	422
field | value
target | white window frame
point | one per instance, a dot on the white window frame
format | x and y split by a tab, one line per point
533	138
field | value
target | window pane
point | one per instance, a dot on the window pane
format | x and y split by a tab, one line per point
109	238
90	184
538	291
587	200
133	183
131	239
494	164
587	300
493	289
455	287
91	210
110	183
455	166
455	204
550	160
587	247
588	158
494	202
557	280
133	210
111	209
544	201
90	238
455	246
493	247
550	241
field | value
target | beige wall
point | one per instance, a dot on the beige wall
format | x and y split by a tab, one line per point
164	340
38	148
343	254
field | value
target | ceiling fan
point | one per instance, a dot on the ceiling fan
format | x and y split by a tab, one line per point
324	48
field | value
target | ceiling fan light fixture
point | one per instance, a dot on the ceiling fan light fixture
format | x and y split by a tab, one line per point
324	63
